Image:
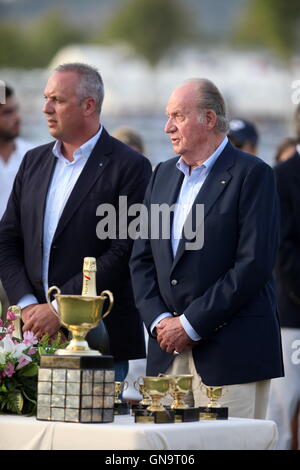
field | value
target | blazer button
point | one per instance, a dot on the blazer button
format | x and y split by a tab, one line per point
174	282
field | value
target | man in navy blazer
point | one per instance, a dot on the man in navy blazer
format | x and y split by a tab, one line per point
211	311
50	222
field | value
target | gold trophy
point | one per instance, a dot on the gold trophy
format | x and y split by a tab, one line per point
156	388
146	401
213	410
180	386
80	313
120	407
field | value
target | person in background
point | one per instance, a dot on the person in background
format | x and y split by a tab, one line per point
208	298
12	150
137	367
243	135
130	137
285	149
51	221
285	391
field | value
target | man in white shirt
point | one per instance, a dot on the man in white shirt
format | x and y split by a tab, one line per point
12	150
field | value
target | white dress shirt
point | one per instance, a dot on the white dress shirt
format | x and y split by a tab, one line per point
9	169
64	178
191	185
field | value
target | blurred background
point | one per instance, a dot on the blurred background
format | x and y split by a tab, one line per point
145	48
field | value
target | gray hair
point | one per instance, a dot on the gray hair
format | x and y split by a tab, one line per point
209	97
91	83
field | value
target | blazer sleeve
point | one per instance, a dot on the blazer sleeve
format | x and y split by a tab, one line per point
143	272
113	263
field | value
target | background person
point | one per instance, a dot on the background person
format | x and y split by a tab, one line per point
243	135
12	150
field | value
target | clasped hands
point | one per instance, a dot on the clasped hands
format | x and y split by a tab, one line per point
40	319
172	337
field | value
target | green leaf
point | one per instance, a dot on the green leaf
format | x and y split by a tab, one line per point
28	371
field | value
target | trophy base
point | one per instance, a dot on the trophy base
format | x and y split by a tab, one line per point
70	352
157	417
122	408
206	412
137	407
186	415
76	389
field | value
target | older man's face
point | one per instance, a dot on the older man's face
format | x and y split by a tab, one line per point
187	132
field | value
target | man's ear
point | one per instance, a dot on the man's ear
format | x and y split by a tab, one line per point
89	106
210	119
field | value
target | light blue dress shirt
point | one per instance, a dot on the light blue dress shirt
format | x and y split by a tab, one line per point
191	185
64	178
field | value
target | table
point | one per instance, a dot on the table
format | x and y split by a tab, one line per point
23	433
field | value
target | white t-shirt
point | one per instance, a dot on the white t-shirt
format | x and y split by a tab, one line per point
8	171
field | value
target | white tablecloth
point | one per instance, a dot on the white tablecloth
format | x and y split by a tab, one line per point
23	433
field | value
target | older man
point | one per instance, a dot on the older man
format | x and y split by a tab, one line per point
50	222
212	302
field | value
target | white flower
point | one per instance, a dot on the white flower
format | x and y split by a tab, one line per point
15	351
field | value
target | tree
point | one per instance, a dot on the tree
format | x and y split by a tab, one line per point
151	27
272	24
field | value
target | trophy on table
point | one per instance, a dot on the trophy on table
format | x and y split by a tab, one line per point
120	407
213	410
146	400
156	388
76	384
180	386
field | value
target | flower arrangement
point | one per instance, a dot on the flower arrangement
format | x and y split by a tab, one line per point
19	364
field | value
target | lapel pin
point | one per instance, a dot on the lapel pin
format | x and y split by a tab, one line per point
100	164
222	182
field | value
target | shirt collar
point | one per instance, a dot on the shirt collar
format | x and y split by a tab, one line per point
84	151
207	165
298	148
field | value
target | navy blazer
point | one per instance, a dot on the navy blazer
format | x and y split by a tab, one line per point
226	288
113	169
288	264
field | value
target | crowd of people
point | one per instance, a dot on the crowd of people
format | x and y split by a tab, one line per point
225	311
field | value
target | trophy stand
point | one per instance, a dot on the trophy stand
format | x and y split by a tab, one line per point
213	410
120	407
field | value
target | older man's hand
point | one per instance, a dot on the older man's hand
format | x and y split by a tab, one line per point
40	319
171	336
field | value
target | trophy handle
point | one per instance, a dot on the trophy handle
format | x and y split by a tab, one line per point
111	301
50	290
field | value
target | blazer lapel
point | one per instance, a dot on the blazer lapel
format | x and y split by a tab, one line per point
216	182
95	165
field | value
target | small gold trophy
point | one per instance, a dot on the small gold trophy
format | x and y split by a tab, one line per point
146	401
156	388
120	407
213	410
80	313
180	386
